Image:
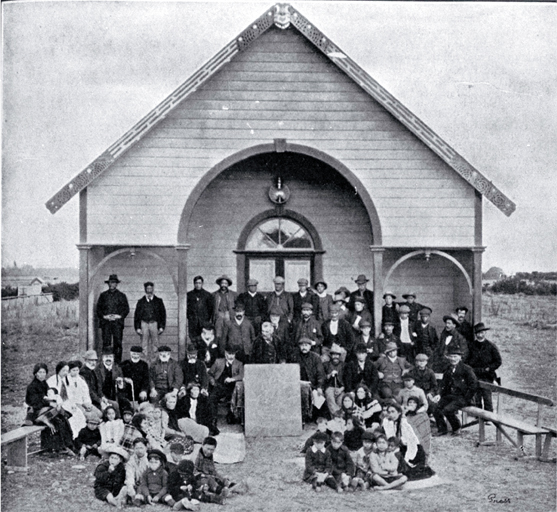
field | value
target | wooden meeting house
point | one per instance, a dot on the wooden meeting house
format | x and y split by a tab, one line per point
279	156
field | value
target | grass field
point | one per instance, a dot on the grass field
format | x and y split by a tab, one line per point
522	327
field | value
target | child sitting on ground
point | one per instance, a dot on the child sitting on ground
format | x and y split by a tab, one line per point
153	487
175	456
353	435
363	477
342	463
88	440
215	488
336	423
110	476
181	486
321	427
384	466
319	465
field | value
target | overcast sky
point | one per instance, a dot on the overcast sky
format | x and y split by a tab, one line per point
77	75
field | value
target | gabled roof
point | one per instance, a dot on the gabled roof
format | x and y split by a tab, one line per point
284	15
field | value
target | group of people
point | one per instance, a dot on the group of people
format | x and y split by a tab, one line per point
375	394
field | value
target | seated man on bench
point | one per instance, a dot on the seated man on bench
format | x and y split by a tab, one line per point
458	387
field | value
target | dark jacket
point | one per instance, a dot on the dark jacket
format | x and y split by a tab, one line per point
241	336
425	379
415	308
196	372
440	362
484	355
371	344
368	296
267	353
298	300
88	437
34	397
202	349
202	413
344	337
256	306
217	297
311	369
91	379
200	306
310	328
341	461
317	462
283	303
138	373
427	339
353	376
390	314
338	380
111	481
465	328
216	370
159	312
462	382
174	377
112	302
176	481
286	344
100	373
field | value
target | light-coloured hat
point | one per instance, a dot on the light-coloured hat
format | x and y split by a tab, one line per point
404	309
452	317
390	346
304	340
118	450
90	354
307	305
335	349
389	293
303	281
278	280
421	357
253	282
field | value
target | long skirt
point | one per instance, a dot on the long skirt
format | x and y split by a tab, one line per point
421	470
62	438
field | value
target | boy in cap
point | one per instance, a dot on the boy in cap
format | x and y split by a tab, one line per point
413	306
88	440
334	379
239	334
342	463
153	487
405	332
303	296
364	476
364	337
458	387
307	326
136	373
484	359
321	427
281	300
110	476
424	378
391	368
427	340
112	310
389	312
182	487
450	338
255	304
165	375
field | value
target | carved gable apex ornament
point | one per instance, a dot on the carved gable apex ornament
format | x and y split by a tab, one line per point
282	16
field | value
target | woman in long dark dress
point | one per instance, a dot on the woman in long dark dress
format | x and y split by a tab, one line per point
58	437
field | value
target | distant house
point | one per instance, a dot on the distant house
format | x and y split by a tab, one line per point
280	156
35	287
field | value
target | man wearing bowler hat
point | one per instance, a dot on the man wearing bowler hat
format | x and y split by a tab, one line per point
255	304
458	387
112	309
224	302
450	338
484	358
281	300
363	293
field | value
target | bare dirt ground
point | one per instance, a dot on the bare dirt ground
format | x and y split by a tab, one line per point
479	478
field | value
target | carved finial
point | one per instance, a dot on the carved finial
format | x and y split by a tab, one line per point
282	16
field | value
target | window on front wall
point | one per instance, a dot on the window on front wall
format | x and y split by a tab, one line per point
279	234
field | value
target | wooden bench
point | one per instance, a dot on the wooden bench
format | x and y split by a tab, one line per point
551	433
14	443
523	428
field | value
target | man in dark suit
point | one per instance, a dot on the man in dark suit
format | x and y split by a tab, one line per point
281	300
449	338
281	330
194	371
112	309
361	371
266	347
303	296
484	358
90	377
136	371
464	327
255	304
458	387
363	293
149	319
427	340
224	302
307	326
336	330
200	304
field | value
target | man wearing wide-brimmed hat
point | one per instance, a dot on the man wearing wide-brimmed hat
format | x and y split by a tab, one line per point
414	306
450	338
255	303
112	309
363	293
224	302
323	313
484	358
389	311
457	389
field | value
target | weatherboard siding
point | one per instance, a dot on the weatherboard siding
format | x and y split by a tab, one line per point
281	88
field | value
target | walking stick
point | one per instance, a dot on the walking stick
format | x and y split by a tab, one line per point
134	403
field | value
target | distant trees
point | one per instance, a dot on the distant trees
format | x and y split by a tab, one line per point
528	283
62	291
